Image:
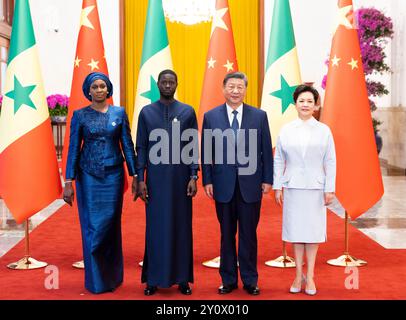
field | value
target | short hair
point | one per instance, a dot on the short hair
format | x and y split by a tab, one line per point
235	75
167	71
305	88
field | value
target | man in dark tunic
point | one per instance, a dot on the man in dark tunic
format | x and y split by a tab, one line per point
167	148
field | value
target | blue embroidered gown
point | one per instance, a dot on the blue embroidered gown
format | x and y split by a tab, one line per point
168	257
95	161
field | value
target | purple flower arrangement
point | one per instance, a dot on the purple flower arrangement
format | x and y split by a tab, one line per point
58	104
374	31
373	24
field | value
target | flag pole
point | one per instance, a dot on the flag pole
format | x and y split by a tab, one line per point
284	261
346	260
27	262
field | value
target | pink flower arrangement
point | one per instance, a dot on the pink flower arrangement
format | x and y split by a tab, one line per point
58	104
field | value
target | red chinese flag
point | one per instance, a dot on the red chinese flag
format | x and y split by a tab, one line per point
221	59
89	58
346	111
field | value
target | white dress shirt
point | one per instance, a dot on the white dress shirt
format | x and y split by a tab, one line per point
231	114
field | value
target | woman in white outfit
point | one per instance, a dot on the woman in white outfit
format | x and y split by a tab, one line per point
304	183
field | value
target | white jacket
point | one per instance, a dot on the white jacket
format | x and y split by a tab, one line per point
316	169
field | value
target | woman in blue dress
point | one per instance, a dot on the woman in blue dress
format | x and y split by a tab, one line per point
99	136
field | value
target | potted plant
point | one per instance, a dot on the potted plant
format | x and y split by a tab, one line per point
374	31
58	107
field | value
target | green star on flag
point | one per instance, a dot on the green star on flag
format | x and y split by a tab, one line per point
285	94
153	93
27	150
21	95
156	56
282	72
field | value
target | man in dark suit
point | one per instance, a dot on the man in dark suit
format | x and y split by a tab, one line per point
237	167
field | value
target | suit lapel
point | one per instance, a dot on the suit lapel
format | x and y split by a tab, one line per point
224	117
246	116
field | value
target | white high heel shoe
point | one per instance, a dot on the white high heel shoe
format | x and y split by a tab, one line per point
310	292
297	290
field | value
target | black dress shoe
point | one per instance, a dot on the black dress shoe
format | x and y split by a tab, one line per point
254	290
227	288
185	289
150	290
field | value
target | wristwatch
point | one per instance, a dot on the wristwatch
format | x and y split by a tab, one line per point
195	177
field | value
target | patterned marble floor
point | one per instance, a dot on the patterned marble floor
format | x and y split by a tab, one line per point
385	223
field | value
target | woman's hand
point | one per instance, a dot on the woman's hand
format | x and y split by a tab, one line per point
134	188
192	188
143	191
279	197
328	198
68	193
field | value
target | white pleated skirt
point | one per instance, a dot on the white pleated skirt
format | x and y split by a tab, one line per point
304	216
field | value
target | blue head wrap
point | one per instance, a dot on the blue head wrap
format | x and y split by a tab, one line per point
92	77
